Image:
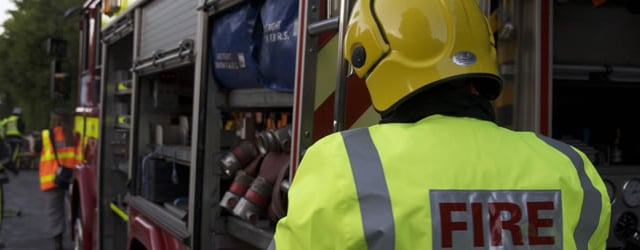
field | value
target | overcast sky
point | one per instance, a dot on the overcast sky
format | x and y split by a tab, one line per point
4	6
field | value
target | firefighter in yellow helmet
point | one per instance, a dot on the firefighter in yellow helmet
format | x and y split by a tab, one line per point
438	173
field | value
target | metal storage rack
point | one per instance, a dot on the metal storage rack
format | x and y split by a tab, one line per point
118	90
218	230
163	46
213	101
145	147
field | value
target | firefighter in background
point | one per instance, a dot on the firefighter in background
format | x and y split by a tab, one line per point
57	153
438	173
11	130
5	153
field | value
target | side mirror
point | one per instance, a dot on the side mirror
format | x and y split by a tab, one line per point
56	46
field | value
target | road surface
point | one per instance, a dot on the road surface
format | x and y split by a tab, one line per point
26	232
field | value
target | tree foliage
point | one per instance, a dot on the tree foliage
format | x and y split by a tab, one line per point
25	66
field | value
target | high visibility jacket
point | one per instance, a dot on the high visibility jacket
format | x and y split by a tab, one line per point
444	183
11	126
48	162
2	129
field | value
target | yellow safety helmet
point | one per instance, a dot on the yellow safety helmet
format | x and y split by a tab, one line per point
400	46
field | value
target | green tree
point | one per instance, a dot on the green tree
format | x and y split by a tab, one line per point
25	66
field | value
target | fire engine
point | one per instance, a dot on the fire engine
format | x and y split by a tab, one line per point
194	114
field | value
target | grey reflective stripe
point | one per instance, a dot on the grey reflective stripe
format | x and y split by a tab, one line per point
272	245
591	204
375	204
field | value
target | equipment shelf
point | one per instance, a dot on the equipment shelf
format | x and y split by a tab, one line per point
256	236
124	92
256	98
122	126
178	153
123	88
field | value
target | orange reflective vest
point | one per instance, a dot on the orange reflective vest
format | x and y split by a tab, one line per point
48	162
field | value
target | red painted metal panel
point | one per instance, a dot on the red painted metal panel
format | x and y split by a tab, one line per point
358	102
85	186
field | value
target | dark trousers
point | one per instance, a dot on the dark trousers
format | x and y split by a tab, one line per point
5	152
15	144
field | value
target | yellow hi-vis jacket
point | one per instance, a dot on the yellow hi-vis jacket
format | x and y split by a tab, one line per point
11	126
2	122
48	162
444	183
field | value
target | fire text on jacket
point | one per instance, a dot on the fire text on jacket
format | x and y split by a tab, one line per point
496	219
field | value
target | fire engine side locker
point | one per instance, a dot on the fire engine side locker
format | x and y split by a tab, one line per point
163	76
212	101
117	43
593	89
217	231
554	67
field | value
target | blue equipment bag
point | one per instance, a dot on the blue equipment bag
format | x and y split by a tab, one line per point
235	41
280	37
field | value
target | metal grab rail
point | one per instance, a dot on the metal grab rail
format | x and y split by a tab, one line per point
583	72
182	52
213	7
579	68
117	32
325	25
339	114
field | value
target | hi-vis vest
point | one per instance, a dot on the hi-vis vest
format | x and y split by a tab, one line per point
444	183
48	163
11	126
2	129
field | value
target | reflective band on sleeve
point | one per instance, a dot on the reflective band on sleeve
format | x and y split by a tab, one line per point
66	155
371	185
47	157
272	245
47	178
591	206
